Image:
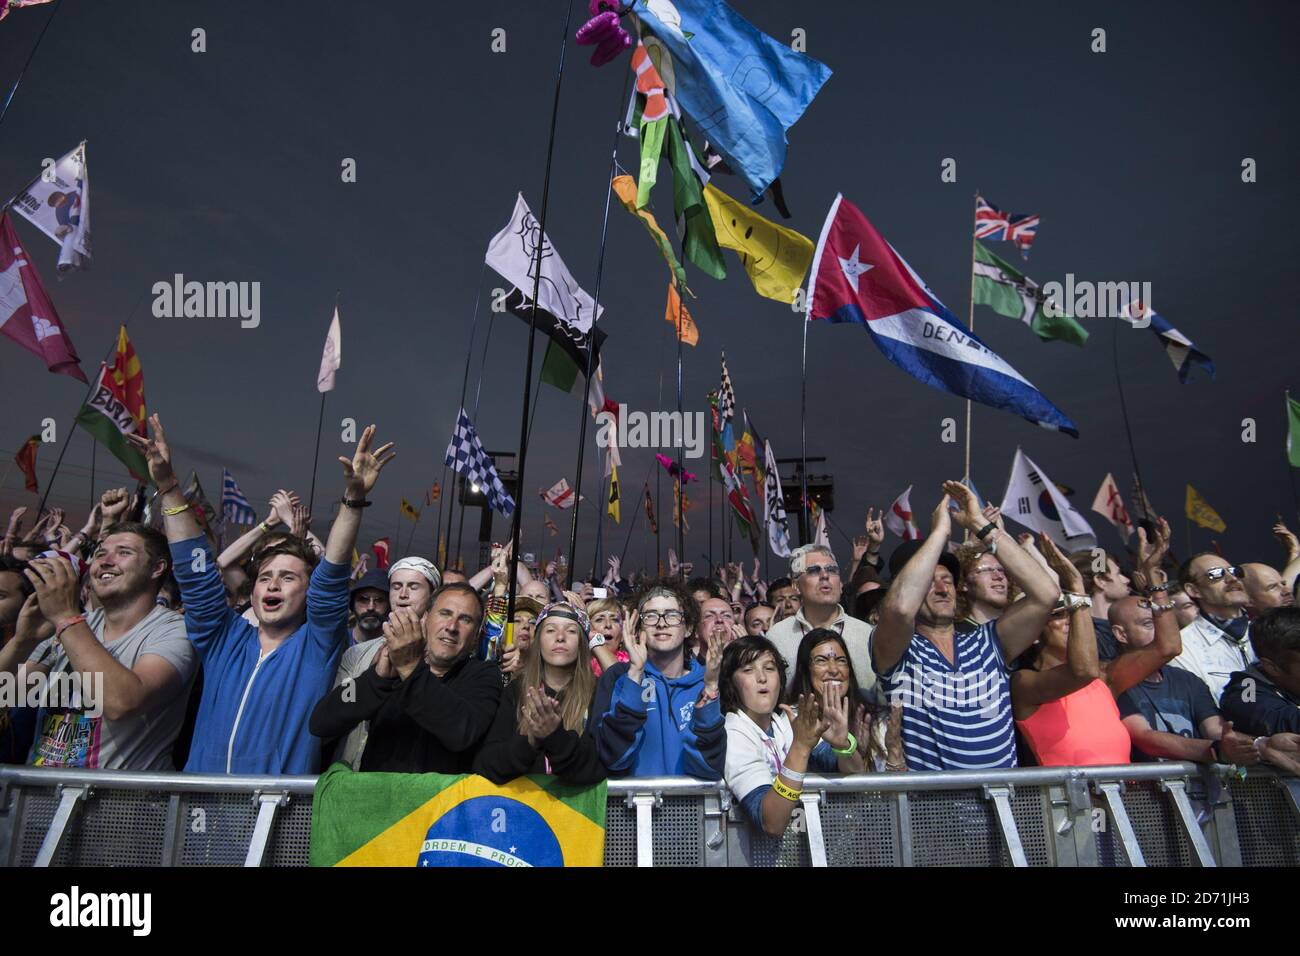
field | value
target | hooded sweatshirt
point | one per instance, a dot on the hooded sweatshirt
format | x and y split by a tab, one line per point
254	708
656	729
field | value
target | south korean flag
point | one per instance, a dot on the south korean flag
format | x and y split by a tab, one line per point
1033	501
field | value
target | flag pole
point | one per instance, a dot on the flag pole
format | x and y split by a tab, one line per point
517	517
94	445
681	512
49	485
1128	428
591	336
640	506
36	46
315	460
803	437
710	487
464	387
659	503
970	319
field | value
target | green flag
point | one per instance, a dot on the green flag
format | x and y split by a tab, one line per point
1293	431
1013	294
652	146
560	371
109	420
694	222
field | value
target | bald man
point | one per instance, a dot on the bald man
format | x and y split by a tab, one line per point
1265	589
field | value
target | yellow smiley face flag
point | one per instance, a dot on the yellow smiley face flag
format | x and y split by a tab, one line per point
432	819
1199	510
775	258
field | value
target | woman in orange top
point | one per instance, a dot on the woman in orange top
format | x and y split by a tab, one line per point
1063	702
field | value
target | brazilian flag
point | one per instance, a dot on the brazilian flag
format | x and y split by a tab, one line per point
434	819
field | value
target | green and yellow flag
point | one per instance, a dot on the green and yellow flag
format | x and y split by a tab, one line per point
409	511
1293	431
1199	510
433	819
775	258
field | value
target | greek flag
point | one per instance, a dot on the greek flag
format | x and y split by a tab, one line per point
465	454
235	508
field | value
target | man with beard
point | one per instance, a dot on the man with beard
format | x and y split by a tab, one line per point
955	688
819	587
136	648
260	683
368	602
1217	642
428	702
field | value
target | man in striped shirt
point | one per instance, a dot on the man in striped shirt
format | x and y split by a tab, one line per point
954	688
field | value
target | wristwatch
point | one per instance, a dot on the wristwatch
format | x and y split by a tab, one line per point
596	640
1074	602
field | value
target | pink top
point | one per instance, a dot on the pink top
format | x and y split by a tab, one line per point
1082	729
620	655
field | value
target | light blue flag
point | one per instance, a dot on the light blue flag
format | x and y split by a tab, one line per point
742	88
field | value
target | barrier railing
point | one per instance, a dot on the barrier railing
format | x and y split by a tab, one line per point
1163	814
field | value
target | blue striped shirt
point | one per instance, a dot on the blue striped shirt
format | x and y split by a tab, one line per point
956	716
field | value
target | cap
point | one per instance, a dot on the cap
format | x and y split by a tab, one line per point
374	578
903	553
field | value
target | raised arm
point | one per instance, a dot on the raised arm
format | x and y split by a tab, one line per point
1292	545
1134	666
1022	623
1031	688
282	503
360	472
897	612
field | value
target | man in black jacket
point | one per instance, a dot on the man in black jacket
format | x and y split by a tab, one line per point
429	704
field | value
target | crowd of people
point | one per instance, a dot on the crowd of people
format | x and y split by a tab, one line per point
274	657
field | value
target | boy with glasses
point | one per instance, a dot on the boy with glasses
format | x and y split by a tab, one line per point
1217	642
816	576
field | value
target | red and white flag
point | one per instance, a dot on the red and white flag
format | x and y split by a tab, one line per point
26	313
331	359
380	549
899	518
560	495
1109	503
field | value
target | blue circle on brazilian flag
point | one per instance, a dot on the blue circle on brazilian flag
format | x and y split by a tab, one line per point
490	831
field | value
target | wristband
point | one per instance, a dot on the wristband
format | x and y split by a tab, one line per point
1156	588
596	640
172	512
169	486
70	622
1259	743
264	527
355	502
783	791
850	748
1161	608
983	532
706	697
794	776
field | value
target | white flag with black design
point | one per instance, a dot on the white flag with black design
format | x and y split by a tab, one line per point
1035	502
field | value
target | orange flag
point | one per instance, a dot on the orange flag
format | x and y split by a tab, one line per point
675	314
26	460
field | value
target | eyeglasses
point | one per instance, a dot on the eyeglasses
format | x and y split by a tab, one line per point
816	570
999	571
820	661
655	618
1216	574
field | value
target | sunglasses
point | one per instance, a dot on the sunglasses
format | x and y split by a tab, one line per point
816	570
1216	574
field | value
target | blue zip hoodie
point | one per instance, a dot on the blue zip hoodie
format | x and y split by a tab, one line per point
637	737
272	703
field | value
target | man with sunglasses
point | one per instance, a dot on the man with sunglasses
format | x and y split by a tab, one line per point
1217	642
816	576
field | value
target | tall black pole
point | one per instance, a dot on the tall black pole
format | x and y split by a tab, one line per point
591	336
532	326
36	46
464	387
709	485
1128	428
803	440
49	485
681	511
315	458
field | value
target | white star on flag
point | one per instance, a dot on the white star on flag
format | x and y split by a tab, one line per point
854	268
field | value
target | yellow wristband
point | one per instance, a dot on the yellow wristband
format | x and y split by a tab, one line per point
175	511
782	790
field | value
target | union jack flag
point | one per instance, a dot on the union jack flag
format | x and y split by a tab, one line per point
993	223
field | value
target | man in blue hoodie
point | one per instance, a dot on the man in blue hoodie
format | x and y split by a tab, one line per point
261	683
659	714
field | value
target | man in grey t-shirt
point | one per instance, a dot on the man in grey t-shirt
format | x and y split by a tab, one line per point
133	660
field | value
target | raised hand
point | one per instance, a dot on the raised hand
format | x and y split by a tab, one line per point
875	528
672	563
15	522
156	452
713	647
362	470
808	724
404	640
57	588
541	715
894	757
282	505
634	644
383	665
92	521
862	727
1066	573
968	514
835	710
860	545
1287	540
112	508
941	518
994	513
32	626
1152	551
300	522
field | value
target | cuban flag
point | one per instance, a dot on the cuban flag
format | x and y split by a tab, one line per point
859	277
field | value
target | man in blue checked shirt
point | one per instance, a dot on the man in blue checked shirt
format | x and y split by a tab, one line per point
261	683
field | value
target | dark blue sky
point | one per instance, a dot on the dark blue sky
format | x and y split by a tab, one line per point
225	166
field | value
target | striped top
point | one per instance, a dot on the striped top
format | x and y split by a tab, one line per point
955	716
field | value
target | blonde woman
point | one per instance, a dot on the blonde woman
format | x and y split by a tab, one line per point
542	721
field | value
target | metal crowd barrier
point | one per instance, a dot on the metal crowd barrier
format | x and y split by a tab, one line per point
1166	814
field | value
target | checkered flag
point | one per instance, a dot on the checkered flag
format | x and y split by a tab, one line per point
465	454
235	508
726	396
